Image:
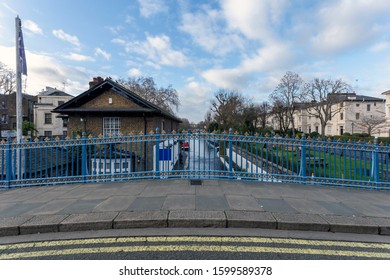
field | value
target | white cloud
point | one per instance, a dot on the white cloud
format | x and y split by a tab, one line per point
60	34
195	101
134	72
32	27
268	58
159	51
106	55
44	70
12	10
207	29
380	47
149	8
119	41
255	19
79	57
345	24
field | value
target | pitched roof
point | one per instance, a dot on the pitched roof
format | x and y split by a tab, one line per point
74	105
354	97
386	92
53	92
58	93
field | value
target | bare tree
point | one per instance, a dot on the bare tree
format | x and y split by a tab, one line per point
287	94
324	95
263	110
228	107
166	98
371	124
7	80
279	113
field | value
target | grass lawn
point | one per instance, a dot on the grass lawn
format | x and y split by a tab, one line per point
350	164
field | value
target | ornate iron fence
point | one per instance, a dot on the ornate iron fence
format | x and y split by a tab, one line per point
195	155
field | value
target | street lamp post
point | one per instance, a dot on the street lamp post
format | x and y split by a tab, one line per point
84	121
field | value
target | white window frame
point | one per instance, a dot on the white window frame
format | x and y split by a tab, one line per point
48	118
111	126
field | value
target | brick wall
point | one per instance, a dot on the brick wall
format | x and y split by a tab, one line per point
117	101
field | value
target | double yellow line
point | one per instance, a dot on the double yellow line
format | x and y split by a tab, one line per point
156	244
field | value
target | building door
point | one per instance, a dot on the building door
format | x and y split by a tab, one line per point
341	130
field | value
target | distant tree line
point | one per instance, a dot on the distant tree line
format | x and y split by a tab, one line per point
229	109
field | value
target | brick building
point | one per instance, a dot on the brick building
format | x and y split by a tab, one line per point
108	108
8	111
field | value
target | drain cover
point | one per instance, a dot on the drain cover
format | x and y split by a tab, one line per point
195	182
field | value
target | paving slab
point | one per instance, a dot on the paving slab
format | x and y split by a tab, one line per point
250	219
179	202
352	224
51	207
367	209
243	202
188	218
98	194
212	202
290	221
129	189
209	190
235	188
147	203
153	191
42	224
19	209
89	221
81	206
10	225
21	195
47	196
78	193
114	203
339	208
276	205
142	219
307	206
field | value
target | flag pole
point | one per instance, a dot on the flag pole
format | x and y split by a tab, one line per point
19	96
18	83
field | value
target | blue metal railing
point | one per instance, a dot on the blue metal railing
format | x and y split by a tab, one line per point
195	155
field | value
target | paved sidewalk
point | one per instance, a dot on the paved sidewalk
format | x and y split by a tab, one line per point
178	203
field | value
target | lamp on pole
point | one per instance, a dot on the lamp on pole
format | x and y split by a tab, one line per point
84	121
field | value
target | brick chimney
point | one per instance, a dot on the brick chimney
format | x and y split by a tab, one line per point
95	81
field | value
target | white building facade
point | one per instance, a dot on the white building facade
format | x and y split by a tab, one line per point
352	114
386	130
47	123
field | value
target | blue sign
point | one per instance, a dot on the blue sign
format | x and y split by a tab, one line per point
165	154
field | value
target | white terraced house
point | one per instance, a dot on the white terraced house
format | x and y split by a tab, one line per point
351	114
48	123
386	130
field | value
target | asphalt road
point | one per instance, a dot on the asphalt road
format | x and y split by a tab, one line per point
196	247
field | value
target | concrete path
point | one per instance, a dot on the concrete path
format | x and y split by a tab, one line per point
180	203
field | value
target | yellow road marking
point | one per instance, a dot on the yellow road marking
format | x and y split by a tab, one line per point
195	239
195	248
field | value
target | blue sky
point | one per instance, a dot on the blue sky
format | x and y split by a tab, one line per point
200	46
